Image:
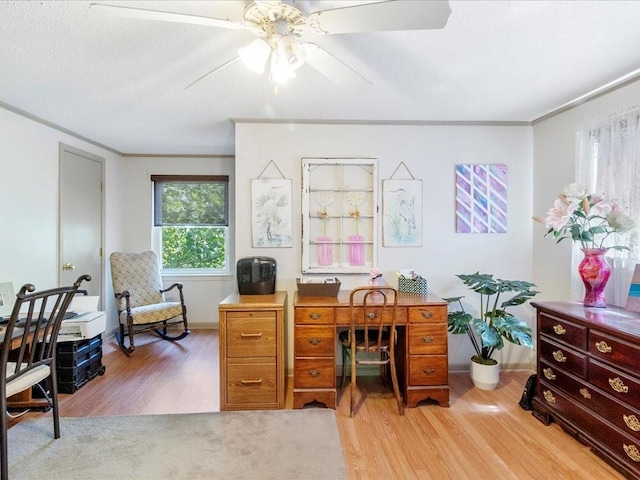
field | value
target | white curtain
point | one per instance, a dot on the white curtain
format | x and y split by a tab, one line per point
608	161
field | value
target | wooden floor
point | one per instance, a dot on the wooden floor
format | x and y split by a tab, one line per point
483	435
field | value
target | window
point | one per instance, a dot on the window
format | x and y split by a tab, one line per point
191	222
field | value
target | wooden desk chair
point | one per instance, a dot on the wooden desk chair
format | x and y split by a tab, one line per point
29	348
137	284
372	336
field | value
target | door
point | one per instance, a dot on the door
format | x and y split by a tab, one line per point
81	218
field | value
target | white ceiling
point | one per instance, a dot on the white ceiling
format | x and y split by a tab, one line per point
120	82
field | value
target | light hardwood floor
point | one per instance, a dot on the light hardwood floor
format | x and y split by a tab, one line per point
483	435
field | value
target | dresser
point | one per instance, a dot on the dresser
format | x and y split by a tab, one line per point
421	352
252	353
588	378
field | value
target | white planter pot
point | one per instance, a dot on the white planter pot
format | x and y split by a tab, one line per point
485	377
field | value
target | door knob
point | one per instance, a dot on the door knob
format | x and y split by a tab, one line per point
68	266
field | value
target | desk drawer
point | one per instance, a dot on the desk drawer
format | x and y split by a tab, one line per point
428	339
314	341
343	318
428	370
251	337
315	373
247	384
314	315
430	314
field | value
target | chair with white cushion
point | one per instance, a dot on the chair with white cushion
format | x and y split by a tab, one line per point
140	299
28	352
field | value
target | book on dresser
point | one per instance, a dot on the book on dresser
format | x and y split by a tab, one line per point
588	378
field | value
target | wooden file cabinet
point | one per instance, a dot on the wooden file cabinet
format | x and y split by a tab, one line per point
588	371
421	353
252	360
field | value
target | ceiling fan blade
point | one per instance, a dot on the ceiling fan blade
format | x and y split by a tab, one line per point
335	70
383	16
219	67
157	15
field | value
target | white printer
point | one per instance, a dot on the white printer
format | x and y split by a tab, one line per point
85	320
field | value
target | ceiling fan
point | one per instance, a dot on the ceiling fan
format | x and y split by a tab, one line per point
279	28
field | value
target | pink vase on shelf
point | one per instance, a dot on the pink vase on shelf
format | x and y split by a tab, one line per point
325	250
594	272
356	250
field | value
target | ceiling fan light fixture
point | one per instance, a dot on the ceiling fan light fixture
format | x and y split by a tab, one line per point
281	71
291	51
255	55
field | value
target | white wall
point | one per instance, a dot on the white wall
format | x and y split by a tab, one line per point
430	153
202	293
29	214
554	167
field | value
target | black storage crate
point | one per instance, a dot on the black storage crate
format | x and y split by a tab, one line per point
78	362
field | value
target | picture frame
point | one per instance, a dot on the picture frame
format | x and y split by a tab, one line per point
481	198
402	213
7	299
271	213
633	299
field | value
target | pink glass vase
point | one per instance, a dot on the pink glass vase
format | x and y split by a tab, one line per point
594	272
325	251
356	250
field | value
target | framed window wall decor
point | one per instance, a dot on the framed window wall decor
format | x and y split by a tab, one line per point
339	215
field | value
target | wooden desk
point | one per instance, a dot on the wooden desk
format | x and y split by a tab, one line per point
421	352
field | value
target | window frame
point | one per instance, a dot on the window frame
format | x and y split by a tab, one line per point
157	226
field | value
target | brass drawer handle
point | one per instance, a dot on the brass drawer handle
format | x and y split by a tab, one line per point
315	373
548	373
250	335
251	382
426	313
618	385
372	315
429	371
549	396
315	316
428	339
632	452
585	393
603	347
559	356
632	422
314	341
559	329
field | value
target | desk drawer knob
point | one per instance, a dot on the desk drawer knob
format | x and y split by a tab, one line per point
428	339
315	316
548	396
315	373
429	371
559	329
372	315
251	382
426	313
632	452
632	422
618	385
559	356
548	373
250	335
603	347
585	393
314	341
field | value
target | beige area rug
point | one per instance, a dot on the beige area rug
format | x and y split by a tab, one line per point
283	444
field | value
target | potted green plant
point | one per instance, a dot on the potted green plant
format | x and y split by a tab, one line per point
494	324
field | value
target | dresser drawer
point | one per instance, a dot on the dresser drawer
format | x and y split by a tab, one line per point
314	341
428	339
428	370
251	337
563	331
616	383
615	351
435	314
314	373
563	357
248	384
314	315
